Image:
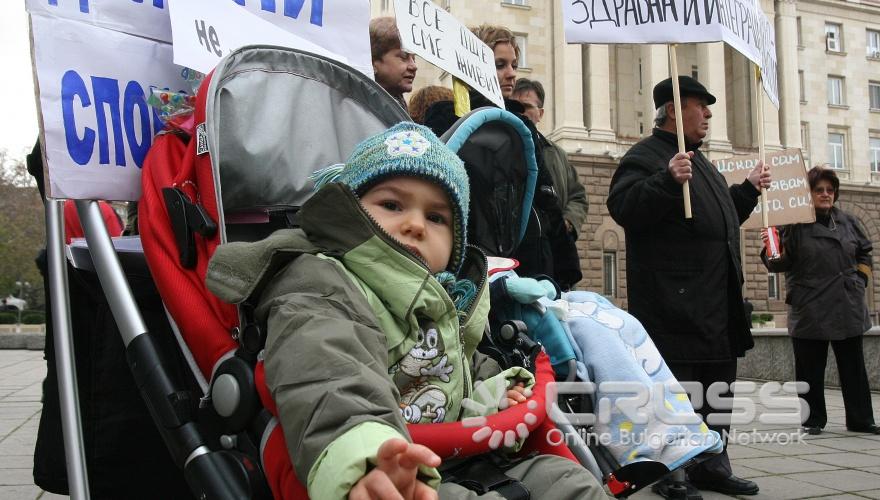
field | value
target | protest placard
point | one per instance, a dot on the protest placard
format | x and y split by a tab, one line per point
96	61
339	27
97	126
788	197
438	37
204	33
144	19
740	23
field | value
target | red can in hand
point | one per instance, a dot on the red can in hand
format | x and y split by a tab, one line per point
772	246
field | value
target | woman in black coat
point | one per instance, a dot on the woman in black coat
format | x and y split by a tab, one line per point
827	267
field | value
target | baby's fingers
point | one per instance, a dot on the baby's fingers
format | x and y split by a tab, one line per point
416	455
375	486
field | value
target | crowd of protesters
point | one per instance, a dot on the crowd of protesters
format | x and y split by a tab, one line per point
684	275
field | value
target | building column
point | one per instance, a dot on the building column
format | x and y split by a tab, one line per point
568	128
655	68
771	121
710	61
789	81
741	113
598	92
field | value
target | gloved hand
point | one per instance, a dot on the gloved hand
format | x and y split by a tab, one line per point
528	290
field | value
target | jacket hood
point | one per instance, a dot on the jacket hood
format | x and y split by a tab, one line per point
239	270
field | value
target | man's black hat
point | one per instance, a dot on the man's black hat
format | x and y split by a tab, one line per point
687	86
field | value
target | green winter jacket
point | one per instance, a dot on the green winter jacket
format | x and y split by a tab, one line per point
362	339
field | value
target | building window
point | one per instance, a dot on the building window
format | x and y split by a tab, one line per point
522	42
836	157
773	286
802	86
805	138
873	44
835	90
874	153
874	95
800	38
833	38
695	73
609	274
515	2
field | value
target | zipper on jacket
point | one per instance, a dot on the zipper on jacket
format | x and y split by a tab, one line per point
386	237
396	244
463	322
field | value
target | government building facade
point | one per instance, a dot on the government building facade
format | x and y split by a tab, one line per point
599	103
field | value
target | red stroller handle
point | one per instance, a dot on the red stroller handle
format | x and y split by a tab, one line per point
478	435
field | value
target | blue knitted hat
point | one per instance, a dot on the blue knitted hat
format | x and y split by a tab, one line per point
408	149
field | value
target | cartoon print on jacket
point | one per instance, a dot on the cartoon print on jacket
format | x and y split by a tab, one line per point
413	374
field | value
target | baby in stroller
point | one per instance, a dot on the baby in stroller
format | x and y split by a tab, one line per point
374	323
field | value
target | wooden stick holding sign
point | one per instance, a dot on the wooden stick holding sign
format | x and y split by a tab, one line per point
679	127
762	154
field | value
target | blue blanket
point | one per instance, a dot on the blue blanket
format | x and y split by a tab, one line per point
611	346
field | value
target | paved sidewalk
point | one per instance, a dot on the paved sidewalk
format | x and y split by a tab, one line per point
836	464
21	377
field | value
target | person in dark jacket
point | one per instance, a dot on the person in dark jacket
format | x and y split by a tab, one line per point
827	267
546	249
684	276
571	195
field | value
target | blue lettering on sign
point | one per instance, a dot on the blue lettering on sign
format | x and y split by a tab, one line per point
84	4
134	98
156	3
106	91
129	126
80	150
292	8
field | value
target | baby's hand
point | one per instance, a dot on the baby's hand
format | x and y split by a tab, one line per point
394	477
517	394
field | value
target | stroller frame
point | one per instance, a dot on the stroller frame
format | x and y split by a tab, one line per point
215	474
210	474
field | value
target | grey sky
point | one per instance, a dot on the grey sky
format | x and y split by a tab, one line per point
18	128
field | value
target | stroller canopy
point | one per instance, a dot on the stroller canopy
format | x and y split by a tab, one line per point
275	115
499	155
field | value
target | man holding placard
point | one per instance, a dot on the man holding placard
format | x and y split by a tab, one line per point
684	276
394	68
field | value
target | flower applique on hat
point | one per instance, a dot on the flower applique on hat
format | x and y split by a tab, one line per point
408	143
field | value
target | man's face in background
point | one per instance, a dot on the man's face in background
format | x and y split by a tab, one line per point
534	107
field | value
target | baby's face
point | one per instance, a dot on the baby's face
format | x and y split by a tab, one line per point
417	214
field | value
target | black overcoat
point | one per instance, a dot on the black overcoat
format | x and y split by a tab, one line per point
824	292
684	276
